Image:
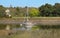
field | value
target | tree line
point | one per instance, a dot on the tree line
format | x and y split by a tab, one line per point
49	10
46	10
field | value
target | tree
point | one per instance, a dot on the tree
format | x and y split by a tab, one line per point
33	12
2	11
17	10
57	9
46	10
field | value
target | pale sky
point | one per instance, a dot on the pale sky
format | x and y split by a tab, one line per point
29	3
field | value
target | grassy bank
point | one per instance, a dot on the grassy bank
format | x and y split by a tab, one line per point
44	31
47	33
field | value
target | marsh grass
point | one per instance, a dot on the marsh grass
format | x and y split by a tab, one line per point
43	32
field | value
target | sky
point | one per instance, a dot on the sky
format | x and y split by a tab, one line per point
29	3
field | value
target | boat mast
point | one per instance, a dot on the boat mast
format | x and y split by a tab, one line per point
27	14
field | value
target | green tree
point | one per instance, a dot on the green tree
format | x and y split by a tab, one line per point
46	10
17	11
33	12
2	11
56	12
